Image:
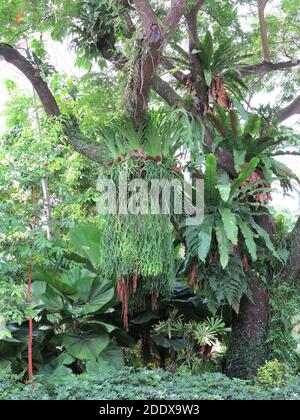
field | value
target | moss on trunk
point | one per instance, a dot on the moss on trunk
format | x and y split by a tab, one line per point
248	349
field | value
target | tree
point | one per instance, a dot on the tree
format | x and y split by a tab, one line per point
154	33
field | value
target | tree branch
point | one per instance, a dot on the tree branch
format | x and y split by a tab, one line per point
73	137
12	56
289	111
263	30
284	153
174	15
165	91
197	70
149	21
148	62
162	88
262	68
179	75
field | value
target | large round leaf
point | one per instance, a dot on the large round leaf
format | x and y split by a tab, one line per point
44	296
95	294
111	359
86	242
86	346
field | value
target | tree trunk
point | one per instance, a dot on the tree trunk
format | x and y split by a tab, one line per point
248	349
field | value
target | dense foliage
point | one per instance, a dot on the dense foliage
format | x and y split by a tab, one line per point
132	384
179	91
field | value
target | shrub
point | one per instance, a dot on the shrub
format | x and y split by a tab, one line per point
143	384
273	374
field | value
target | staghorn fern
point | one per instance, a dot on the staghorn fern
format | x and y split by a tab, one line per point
159	137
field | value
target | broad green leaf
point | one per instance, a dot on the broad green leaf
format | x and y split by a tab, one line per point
244	175
111	359
211	180
106	327
208	50
224	185
226	124
44	296
62	360
223	244
230	225
87	346
205	238
239	157
266	238
59	281
86	241
208	77
249	238
94	293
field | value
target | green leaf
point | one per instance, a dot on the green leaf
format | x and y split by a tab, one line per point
226	124
94	293
208	77
223	244
253	126
87	346
86	241
44	296
111	359
208	47
224	185
106	327
249	238
230	225
266	237
244	175
239	157
211	180
205	238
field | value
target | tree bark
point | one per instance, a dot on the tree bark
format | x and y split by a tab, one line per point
263	68
248	349
148	58
291	273
289	111
196	65
263	30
